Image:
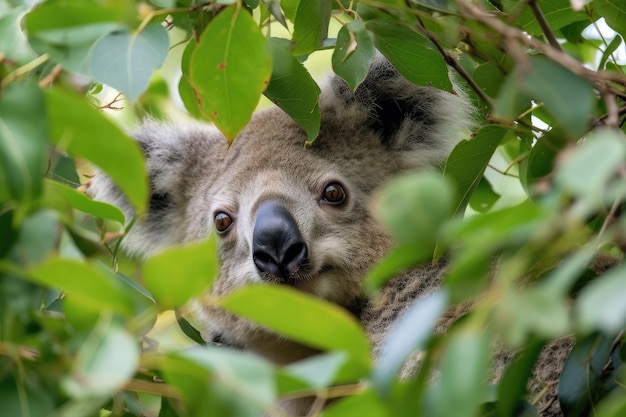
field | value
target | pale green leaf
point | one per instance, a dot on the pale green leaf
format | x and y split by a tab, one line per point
85	133
408	334
106	361
462	386
126	60
180	273
229	69
600	305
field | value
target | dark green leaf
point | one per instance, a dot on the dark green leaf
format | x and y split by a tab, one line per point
38	236
581	384
310	26
190	331
467	163
513	387
83	132
126	60
229	69
614	12
410	53
23	144
353	53
484	197
75	13
610	49
292	88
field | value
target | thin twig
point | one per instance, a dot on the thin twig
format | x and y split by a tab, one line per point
24	69
545	27
49	79
454	64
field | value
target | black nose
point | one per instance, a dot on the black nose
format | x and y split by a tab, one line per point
277	246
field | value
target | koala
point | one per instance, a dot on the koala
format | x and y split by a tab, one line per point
289	214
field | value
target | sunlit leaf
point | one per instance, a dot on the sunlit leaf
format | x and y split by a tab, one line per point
271	305
229	69
105	362
126	60
600	305
61	196
180	273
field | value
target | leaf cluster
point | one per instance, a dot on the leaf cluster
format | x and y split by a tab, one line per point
539	187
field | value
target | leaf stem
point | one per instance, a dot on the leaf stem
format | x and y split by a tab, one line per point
24	69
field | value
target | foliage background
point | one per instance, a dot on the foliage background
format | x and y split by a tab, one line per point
77	329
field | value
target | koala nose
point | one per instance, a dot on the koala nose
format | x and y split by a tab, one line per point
277	246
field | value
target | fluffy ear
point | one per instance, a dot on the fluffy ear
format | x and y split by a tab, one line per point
174	156
422	122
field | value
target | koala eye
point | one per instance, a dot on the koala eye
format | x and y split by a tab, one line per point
222	222
334	194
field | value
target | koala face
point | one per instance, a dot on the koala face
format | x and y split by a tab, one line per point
286	213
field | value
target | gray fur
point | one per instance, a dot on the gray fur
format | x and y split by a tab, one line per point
387	127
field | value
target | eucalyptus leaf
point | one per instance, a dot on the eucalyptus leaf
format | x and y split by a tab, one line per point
229	69
126	60
353	53
310	25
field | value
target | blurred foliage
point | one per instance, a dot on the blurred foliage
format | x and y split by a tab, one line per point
541	186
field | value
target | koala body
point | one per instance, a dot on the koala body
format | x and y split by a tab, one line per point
287	213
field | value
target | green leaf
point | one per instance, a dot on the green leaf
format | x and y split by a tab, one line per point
467	163
61	197
353	53
408	334
614	12
461	387
299	316
185	90
177	274
610	49
23	143
190	331
410	53
293	90
68	13
414	207
71	46
365	404
229	69
83	132
586	173
567	97
94	287
13	41
319	371
105	362
127	60
600	305
513	387
37	238
221	382
484	197
310	26
581	383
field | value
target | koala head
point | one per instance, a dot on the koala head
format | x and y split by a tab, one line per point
286	213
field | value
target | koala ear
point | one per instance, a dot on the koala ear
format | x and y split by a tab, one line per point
174	156
422	122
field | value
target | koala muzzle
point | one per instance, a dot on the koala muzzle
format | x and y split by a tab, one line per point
278	249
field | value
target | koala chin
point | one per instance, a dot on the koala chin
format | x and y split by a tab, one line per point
286	213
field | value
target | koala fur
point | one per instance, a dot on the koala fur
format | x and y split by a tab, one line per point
312	201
